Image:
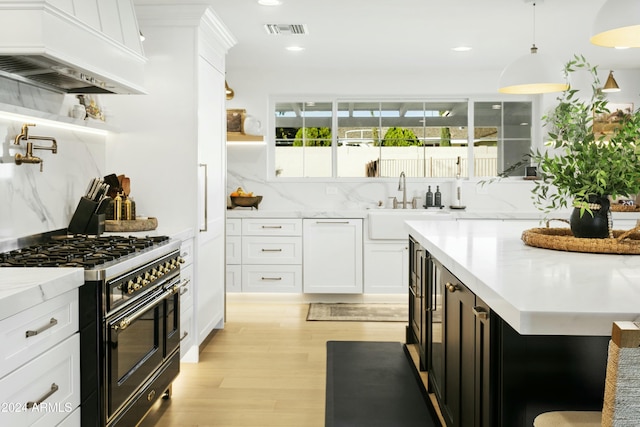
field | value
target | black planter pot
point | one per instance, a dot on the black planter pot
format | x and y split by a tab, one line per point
594	225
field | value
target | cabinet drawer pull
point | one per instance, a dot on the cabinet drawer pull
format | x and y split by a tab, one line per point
451	287
184	289
271	250
54	388
271	226
271	278
184	335
53	322
480	313
332	222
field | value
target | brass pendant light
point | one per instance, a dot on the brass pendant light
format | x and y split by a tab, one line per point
611	85
228	90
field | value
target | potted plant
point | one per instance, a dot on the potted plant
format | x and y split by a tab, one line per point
585	167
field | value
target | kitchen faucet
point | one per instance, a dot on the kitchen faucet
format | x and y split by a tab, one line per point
402	185
29	157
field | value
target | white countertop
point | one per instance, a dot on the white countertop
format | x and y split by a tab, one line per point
455	213
536	291
21	288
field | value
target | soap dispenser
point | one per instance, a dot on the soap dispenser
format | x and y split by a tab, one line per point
438	197
429	198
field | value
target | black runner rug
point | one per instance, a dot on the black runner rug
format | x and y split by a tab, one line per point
372	384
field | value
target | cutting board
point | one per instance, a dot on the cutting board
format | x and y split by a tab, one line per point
137	224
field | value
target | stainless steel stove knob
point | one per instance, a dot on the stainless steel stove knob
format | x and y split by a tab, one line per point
181	260
167	266
137	287
130	286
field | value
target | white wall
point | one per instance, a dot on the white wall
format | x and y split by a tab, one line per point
247	164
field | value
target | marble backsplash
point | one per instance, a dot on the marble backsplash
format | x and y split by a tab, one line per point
33	201
246	168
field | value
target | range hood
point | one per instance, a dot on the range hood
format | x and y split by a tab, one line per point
80	47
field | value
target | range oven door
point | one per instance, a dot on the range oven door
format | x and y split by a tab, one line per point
136	343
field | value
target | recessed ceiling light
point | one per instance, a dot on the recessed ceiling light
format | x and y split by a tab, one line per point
461	48
295	48
270	2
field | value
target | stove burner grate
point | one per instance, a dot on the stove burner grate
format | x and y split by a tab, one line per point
77	251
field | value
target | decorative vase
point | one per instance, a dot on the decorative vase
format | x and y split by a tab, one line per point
594	225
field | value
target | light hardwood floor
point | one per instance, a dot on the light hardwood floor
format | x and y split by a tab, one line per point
265	368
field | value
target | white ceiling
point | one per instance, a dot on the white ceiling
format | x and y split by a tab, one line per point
387	34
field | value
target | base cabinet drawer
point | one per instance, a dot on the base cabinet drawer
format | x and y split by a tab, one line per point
271	250
186	331
234	278
234	249
32	331
271	227
72	420
272	278
186	287
44	391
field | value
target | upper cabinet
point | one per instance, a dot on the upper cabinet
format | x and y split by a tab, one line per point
72	46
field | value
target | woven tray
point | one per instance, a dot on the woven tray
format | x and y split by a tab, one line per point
561	239
617	207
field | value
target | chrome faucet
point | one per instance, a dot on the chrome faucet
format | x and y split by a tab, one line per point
29	157
402	186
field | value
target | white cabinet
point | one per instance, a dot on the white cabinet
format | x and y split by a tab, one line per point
179	129
332	256
40	369
386	267
234	255
271	255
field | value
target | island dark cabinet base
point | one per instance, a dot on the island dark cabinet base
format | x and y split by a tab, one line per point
483	372
540	373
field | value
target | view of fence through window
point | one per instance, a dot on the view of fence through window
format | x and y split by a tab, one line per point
383	139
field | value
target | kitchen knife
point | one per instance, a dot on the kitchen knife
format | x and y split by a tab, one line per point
94	186
89	187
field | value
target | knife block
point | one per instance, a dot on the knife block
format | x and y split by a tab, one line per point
86	219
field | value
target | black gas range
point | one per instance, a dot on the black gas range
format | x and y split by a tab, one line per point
129	316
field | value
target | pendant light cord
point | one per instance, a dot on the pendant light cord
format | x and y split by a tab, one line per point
534	25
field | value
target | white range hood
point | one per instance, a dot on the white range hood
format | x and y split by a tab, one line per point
72	46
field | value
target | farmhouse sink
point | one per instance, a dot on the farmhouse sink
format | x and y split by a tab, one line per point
389	224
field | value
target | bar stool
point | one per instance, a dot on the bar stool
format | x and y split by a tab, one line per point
621	406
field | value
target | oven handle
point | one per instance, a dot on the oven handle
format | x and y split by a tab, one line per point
124	323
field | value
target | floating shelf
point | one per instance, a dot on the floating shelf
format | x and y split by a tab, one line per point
238	136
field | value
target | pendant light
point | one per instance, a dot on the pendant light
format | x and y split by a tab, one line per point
534	73
617	24
611	85
228	90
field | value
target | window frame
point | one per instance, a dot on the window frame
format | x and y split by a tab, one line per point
536	130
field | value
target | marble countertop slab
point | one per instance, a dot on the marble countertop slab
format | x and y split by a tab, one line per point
22	288
455	214
536	291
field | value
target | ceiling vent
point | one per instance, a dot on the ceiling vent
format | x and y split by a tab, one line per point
286	29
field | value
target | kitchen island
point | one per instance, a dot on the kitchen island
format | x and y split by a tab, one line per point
522	330
536	291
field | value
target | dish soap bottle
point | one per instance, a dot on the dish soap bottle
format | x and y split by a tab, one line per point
429	198
438	197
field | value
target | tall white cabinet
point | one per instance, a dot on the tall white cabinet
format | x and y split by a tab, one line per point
172	143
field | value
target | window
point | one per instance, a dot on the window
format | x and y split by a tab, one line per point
349	139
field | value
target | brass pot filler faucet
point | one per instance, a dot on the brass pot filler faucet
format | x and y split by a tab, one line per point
29	157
